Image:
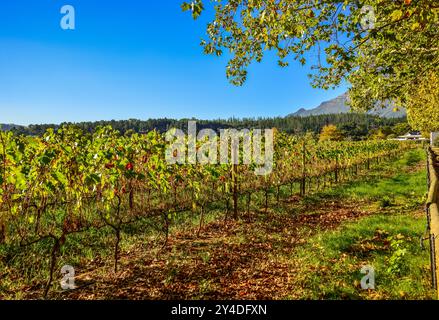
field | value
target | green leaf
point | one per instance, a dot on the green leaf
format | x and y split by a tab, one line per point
45	160
196	7
92	179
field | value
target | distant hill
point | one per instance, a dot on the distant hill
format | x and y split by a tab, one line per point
339	105
9	126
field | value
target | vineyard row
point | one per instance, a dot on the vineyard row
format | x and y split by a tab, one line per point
69	181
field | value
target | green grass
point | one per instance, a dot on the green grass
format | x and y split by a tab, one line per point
396	183
388	240
336	258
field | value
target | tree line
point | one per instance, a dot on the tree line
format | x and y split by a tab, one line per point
354	126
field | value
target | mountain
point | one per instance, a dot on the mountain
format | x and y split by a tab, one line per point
6	127
339	105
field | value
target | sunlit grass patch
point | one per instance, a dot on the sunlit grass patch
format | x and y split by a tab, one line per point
332	260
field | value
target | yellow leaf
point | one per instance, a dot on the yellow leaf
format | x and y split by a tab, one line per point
415	26
396	15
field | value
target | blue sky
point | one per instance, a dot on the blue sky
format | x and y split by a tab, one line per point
129	59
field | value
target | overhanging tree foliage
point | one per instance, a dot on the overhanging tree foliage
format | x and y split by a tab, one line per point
383	48
423	104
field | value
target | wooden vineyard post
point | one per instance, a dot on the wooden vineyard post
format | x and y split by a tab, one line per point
303	180
227	201
368	161
266	199
336	169
235	191
201	220
432	210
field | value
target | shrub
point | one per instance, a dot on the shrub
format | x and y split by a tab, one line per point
412	158
397	262
385	202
